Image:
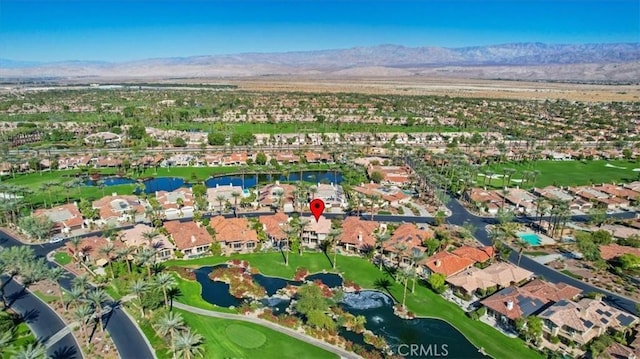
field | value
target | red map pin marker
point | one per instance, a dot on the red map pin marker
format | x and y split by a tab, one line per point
317	207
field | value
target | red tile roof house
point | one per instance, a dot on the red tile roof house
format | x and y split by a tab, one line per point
267	195
393	196
611	251
358	235
169	201
409	236
498	275
274	226
234	234
65	218
190	238
134	237
583	321
532	298
313	157
446	263
89	250
486	201
119	208
315	232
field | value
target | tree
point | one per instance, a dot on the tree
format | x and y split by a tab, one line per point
107	250
188	345
629	261
310	298
533	329
54	275
139	287
38	227
136	132
31	351
178	142
436	282
403	276
320	320
168	324
97	297
587	247
165	281
597	216
376	176
83	314
216	138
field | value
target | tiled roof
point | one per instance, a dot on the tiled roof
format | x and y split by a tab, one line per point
447	263
480	255
133	237
358	232
233	230
187	234
273	225
587	314
611	251
515	302
90	246
322	226
498	274
114	206
409	235
553	292
66	215
169	199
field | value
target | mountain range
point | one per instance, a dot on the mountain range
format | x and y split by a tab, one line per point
617	62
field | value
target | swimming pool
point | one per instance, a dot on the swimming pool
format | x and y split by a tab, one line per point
531	238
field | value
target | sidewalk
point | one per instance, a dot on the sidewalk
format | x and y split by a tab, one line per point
290	332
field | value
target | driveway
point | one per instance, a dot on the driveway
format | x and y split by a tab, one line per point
41	319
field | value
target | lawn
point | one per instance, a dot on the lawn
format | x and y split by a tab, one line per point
423	303
62	258
565	173
234	339
47	298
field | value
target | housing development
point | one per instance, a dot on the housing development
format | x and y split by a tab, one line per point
177	216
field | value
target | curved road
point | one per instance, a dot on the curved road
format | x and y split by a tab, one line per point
42	320
265	323
126	336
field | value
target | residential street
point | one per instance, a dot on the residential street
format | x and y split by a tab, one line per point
130	342
42	320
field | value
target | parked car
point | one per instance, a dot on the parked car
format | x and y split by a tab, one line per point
56	239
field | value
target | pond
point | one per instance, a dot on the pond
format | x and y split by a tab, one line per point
247	181
432	337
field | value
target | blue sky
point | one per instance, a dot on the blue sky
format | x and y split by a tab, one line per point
115	30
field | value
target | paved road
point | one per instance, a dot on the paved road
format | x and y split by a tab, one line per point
125	334
290	332
42	320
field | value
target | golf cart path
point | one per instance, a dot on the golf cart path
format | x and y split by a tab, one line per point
342	353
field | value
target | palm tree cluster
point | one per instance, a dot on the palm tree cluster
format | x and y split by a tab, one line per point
21	262
183	342
12	201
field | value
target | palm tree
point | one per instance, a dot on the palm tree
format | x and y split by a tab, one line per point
313	190
380	239
139	287
73	296
149	236
235	195
188	345
416	256
146	258
81	281
125	253
169	324
220	198
54	275
83	314
31	351
165	281
107	250
334	237
97	297
403	277
75	243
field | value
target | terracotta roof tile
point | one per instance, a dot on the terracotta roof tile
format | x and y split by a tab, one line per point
187	234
